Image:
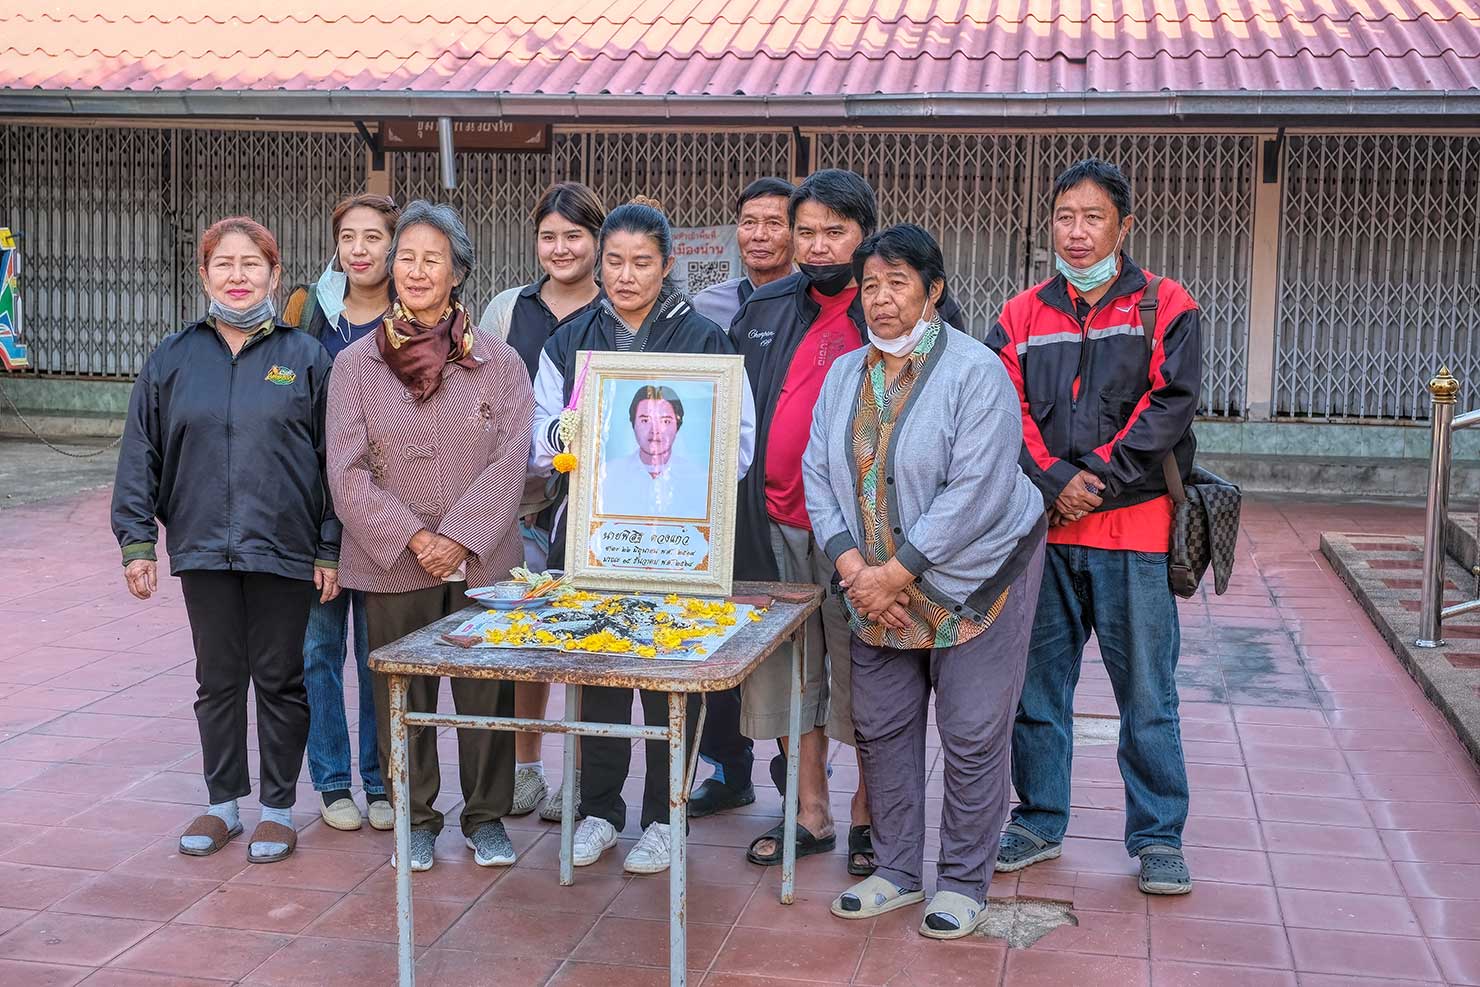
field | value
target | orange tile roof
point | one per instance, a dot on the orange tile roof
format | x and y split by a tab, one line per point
770	48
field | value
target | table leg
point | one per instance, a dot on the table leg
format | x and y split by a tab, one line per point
400	769
568	788
793	769
678	807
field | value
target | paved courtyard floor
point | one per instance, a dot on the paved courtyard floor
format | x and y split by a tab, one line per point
1334	835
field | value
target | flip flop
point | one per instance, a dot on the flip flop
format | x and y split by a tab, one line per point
861	844
807	845
212	827
873	896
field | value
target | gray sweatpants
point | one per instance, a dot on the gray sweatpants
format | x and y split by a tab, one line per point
976	685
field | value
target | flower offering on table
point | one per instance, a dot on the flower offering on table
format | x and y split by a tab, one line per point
641	626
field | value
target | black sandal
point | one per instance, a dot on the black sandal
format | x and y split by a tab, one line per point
807	845
861	844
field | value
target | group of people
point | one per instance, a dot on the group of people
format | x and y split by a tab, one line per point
973	512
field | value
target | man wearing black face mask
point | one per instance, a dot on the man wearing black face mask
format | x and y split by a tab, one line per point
790	332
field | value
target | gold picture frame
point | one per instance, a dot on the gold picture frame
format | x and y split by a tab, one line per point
652	497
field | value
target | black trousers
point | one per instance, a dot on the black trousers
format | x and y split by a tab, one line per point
723	743
605	760
248	628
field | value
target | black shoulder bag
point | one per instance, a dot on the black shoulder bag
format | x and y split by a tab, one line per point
1205	521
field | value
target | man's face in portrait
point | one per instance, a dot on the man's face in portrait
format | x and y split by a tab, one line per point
655	426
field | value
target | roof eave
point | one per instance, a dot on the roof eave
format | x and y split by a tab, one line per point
958	109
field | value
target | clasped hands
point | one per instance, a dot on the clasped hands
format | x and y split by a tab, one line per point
439	555
876	591
1080	496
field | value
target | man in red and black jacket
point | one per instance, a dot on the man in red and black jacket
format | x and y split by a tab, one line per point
1103	407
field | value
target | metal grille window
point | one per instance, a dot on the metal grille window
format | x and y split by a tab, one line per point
108	220
697	176
288	181
93	215
1193	200
1379	274
968	190
495	195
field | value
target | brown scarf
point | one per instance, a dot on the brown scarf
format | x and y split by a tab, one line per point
417	353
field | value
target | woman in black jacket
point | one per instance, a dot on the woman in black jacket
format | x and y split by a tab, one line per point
224	444
640	313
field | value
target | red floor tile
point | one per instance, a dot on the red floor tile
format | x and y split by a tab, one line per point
257	909
1338	841
133	896
328	961
921	961
1028	968
640	942
372	917
1209	975
798	956
457	968
1460	960
1362	954
610	975
193	951
84	940
84	849
41	974
1345	912
1203	941
1323	873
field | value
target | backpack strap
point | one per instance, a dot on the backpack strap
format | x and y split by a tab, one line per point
1147	306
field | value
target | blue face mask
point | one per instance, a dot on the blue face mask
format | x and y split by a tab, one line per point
333	283
1097	274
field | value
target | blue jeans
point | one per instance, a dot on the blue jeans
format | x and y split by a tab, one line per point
323	674
1122	597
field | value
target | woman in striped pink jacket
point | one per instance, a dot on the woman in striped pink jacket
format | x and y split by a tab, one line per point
429	429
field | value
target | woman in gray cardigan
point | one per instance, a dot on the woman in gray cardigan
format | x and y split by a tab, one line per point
914	490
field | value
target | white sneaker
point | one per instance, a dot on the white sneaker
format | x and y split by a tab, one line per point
594	836
652	852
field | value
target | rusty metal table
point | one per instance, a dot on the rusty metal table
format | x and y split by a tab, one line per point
423	653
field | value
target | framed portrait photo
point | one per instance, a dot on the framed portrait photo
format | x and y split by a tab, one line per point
652	498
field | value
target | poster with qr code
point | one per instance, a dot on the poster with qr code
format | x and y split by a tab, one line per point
704	256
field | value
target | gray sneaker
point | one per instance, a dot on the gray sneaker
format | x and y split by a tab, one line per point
491	846
550	811
1017	848
423	847
529	789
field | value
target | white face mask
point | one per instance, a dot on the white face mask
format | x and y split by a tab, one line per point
330	290
903	345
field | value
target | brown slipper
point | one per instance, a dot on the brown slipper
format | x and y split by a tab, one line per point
271	832
212	828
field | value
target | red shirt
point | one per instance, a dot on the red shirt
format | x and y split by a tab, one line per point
1144	527
832	334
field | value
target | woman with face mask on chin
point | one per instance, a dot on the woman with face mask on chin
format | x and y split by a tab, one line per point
567	223
224	444
914	492
639	312
347	302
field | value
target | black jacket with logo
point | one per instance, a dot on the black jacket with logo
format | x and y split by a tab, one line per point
228	453
767	330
